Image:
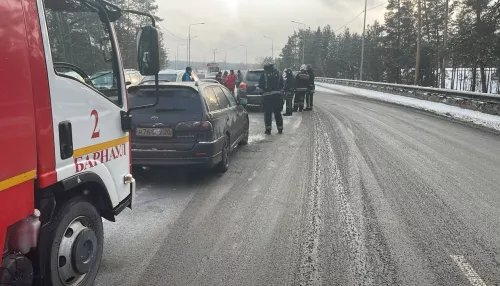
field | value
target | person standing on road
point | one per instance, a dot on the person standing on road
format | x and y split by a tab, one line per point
224	76
230	81
288	90
272	84
218	77
239	79
187	75
310	92
301	88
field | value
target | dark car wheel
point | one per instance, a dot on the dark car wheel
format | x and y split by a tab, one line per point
244	141
223	166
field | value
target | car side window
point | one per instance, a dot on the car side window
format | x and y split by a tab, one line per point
211	99
223	101
230	97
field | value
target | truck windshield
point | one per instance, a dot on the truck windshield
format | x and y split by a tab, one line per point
80	42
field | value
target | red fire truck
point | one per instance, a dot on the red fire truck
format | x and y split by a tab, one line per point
64	143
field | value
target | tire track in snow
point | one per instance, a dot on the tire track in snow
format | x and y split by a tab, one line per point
309	267
358	254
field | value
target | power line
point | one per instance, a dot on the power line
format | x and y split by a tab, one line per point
161	25
359	15
350	21
375	7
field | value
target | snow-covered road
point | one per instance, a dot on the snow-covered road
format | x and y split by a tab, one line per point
466	115
357	192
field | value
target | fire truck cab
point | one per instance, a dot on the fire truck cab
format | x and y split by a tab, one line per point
64	143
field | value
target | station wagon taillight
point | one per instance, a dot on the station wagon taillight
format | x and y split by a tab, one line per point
194	126
202	130
243	85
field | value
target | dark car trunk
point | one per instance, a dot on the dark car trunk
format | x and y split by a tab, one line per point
158	128
252	81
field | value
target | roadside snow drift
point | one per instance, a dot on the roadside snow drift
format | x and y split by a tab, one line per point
466	115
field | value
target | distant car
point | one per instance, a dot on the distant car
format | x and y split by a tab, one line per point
104	79
74	75
249	90
132	76
209	80
211	75
195	123
168	76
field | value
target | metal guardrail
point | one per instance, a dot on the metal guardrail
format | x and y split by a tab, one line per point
487	103
401	87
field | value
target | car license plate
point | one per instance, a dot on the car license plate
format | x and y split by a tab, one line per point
154	132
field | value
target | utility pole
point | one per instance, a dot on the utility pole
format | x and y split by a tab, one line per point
363	46
215	50
398	57
445	46
419	37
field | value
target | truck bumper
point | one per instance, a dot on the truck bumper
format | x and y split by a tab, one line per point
129	200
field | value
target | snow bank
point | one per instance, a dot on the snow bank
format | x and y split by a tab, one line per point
476	117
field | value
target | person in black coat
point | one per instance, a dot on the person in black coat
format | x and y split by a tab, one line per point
302	82
310	93
272	84
288	90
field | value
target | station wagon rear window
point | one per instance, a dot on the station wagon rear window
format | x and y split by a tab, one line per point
175	100
254	75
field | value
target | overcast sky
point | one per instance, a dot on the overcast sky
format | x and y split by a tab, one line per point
231	23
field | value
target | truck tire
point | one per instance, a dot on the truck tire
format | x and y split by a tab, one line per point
74	256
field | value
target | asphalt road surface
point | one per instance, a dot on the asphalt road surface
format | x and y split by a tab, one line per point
357	192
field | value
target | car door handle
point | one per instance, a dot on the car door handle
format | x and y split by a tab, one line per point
65	140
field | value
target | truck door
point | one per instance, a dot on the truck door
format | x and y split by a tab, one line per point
86	108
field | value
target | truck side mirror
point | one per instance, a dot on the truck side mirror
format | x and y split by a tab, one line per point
148	50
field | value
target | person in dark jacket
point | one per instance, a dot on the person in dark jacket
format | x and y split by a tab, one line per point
288	90
187	75
272	84
239	79
310	93
301	88
218	77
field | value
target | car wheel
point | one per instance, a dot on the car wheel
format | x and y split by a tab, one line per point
244	141
223	166
75	242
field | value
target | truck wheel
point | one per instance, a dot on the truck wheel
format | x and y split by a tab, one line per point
223	166
77	238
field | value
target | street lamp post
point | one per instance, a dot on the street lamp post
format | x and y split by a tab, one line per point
303	40
246	56
419	39
363	47
272	46
189	41
177	55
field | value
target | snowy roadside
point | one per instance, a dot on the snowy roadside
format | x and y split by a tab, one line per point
466	115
